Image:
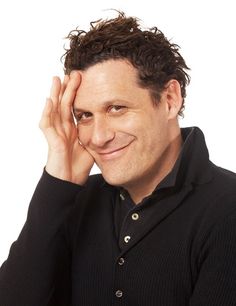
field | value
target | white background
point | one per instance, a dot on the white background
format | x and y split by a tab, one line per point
32	38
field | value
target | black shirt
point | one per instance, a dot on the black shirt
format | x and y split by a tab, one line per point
181	250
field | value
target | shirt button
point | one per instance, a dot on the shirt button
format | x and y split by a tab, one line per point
135	216
122	197
119	293
121	261
127	239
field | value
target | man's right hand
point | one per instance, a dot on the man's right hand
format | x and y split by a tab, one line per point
67	159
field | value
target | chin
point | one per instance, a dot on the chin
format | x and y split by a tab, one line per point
114	180
117	173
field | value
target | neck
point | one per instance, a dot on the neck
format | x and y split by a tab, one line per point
165	163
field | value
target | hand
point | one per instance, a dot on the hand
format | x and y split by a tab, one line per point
67	159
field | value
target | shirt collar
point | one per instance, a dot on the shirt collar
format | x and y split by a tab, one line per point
192	164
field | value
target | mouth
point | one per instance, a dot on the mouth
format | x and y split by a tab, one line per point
107	155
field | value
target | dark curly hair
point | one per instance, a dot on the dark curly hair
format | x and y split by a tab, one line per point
156	59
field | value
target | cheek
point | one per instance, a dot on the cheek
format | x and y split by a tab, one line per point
152	135
130	124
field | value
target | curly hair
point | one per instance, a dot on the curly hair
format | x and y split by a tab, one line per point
156	59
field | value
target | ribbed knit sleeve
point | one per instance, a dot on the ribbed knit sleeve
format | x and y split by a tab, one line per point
216	285
27	277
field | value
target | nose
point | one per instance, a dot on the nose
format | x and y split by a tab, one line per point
102	133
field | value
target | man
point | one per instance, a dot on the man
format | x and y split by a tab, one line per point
158	226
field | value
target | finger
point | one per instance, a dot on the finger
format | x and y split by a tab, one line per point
63	86
45	120
55	90
54	96
46	124
69	96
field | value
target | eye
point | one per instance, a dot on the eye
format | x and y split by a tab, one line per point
116	109
83	117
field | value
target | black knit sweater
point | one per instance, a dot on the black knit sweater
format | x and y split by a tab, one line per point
184	254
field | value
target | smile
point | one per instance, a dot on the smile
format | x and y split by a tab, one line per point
113	153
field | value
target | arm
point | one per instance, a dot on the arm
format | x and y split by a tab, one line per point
28	276
39	261
216	284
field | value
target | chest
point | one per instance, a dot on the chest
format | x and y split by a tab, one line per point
156	263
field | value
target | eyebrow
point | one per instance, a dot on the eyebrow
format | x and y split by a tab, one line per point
103	106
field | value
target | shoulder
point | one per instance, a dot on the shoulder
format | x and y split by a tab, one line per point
223	173
212	200
224	180
219	188
215	200
213	205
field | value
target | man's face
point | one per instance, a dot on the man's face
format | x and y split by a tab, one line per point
119	125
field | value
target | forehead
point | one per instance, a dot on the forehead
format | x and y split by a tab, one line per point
109	80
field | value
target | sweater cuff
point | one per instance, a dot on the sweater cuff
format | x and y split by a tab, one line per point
55	179
53	195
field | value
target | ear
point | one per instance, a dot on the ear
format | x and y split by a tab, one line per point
173	98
